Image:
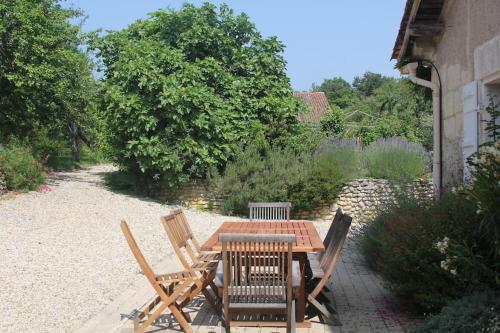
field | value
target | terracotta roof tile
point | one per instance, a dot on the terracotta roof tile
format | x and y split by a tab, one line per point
317	103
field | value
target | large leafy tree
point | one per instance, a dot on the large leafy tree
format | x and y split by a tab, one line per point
183	89
45	79
396	108
338	91
367	84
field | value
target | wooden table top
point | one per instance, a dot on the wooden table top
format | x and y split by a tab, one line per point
308	239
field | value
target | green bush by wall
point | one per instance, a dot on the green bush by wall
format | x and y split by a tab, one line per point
265	173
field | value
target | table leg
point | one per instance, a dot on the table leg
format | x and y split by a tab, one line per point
300	310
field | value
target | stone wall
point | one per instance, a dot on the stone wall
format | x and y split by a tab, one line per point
194	194
360	198
363	198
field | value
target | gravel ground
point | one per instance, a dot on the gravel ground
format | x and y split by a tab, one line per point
63	257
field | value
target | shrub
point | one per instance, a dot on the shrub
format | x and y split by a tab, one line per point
333	122
184	89
474	313
22	171
395	159
484	188
429	251
264	173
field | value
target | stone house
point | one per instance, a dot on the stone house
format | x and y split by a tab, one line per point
459	41
317	106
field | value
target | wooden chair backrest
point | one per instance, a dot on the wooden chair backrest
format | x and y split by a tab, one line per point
336	219
143	264
184	224
180	234
255	265
270	211
329	258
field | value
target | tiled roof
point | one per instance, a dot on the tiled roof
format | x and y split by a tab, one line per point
317	103
428	12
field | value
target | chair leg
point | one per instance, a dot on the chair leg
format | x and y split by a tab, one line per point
180	318
214	288
293	321
184	314
211	301
226	321
324	311
142	327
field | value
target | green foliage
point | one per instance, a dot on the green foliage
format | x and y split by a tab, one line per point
429	251
338	91
333	123
45	79
265	173
485	190
478	312
396	108
183	89
395	159
368	83
22	171
492	126
380	107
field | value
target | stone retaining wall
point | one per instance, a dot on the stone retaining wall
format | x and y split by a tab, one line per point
194	194
360	198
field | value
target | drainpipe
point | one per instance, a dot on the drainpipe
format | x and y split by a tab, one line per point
411	70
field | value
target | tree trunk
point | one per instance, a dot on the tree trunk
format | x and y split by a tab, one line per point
73	132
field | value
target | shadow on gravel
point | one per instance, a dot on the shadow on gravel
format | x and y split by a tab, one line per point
56	178
122	183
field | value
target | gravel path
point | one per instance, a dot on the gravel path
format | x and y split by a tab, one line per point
63	257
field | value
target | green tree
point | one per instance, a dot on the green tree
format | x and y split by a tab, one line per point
338	91
366	84
333	123
45	78
396	108
183	89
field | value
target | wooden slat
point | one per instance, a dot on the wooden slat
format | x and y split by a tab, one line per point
271	211
308	239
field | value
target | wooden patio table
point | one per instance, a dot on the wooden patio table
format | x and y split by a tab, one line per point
307	240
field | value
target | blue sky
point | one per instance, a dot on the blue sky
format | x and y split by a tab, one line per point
323	38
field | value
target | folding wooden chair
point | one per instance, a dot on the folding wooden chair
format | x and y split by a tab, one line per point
258	277
269	211
182	225
322	266
169	287
336	219
204	270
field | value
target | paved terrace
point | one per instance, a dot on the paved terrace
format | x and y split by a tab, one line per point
364	305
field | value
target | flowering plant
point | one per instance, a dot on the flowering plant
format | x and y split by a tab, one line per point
484	186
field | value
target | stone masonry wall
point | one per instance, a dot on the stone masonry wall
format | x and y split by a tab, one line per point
361	198
196	195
